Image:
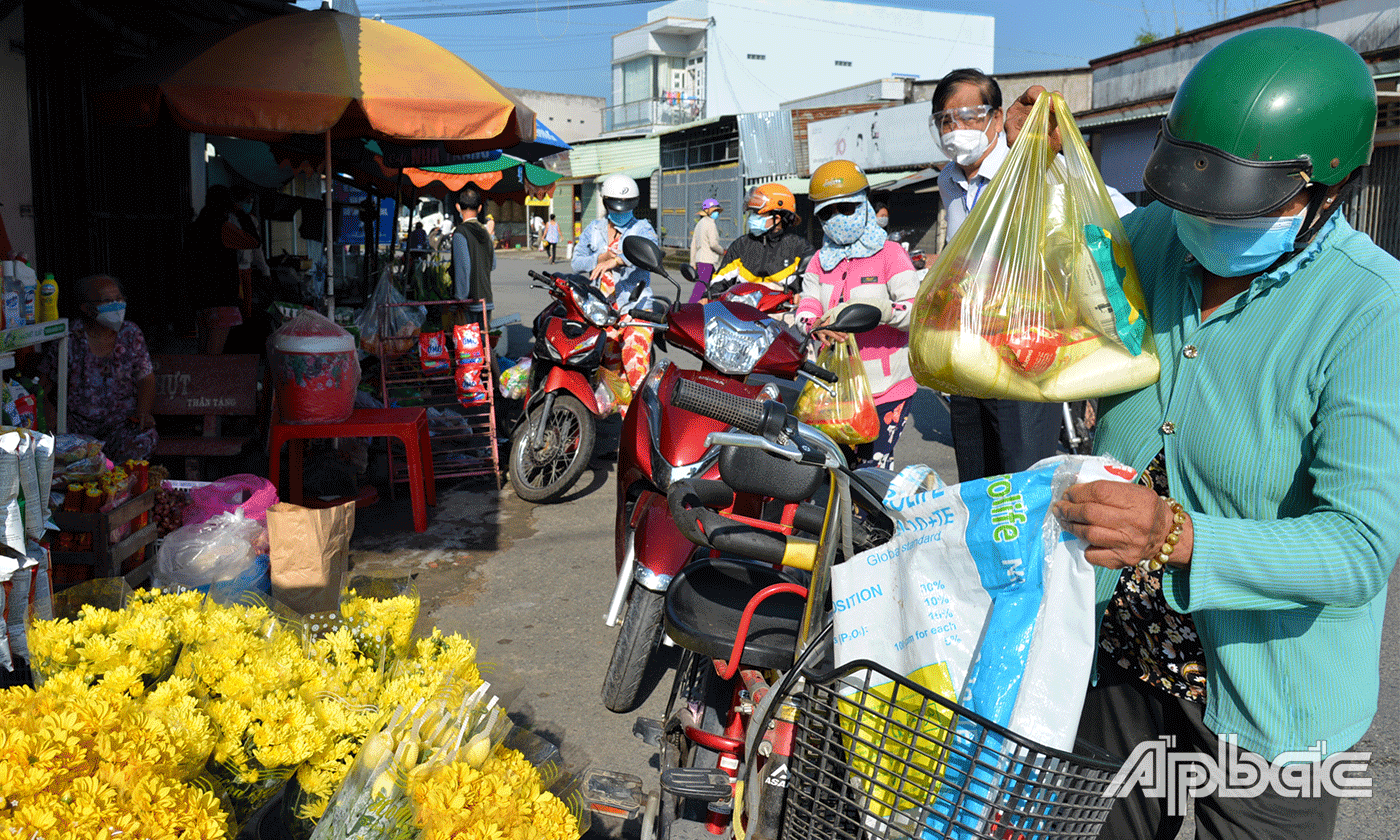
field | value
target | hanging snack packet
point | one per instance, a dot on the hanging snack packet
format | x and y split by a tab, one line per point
432	352
470	348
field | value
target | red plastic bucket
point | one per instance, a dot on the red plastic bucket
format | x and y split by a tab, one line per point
315	377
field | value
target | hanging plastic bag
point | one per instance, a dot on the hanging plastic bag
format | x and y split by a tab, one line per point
1036	297
387	330
225	547
515	381
613	392
845	410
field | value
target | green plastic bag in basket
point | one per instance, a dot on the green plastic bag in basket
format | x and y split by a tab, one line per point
1036	297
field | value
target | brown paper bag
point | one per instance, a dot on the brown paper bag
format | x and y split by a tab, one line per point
309	553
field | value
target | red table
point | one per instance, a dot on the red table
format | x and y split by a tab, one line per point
409	425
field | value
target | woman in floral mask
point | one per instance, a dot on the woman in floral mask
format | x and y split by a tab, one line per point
111	383
858	264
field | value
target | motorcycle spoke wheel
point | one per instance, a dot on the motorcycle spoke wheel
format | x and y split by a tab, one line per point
547	473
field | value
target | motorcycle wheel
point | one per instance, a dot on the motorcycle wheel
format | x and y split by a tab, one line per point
636	639
569	436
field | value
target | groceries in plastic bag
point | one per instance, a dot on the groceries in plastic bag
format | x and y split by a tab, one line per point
388	330
1036	297
843	410
515	380
314	368
223	548
613	393
982	597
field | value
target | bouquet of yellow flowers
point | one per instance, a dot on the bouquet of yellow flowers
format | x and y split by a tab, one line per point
80	760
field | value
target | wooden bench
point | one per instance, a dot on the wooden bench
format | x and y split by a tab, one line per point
211	387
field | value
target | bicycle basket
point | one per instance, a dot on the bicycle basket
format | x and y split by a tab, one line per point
875	756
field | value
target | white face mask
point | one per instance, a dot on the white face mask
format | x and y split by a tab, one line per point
111	315
964	145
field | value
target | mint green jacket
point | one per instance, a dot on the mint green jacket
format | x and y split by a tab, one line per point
1280	419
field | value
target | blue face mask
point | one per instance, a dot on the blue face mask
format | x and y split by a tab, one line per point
622	219
111	315
1237	247
757	224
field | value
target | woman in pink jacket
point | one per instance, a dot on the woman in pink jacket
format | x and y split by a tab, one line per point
858	264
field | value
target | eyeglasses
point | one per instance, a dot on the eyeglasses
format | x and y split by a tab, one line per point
844	208
951	118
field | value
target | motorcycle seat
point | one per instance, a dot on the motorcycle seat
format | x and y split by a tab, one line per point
706	600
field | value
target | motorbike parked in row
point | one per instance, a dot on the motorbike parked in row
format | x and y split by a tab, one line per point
661	444
553	441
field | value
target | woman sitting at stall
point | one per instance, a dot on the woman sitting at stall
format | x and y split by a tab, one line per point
111	383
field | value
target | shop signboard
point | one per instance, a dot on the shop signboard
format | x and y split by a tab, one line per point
349	202
889	138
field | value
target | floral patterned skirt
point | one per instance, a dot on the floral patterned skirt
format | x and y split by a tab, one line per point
1146	637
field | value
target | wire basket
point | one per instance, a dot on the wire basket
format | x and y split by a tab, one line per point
876	756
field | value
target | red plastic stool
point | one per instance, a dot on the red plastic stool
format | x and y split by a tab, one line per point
409	425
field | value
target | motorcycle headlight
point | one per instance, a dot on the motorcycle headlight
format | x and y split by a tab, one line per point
595	309
733	345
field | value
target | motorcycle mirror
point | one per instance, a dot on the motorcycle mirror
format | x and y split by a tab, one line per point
643	253
856	318
688	272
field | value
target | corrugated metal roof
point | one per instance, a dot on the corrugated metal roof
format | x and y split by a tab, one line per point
605	158
634	172
1142	112
766	140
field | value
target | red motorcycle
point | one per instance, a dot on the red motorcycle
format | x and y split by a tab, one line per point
553	441
662	444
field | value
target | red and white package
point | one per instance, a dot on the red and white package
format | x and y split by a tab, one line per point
473	384
432	351
470	347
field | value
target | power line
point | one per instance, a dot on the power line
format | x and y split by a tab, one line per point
480	11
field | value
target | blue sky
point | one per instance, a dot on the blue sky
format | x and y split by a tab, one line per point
568	51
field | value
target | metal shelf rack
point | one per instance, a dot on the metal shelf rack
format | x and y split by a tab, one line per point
463	437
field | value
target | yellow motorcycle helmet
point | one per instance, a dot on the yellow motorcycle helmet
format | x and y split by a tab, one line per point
836	180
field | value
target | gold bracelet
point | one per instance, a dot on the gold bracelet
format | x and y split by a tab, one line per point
1173	536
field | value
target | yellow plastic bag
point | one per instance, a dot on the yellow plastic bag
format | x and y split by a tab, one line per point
1036	297
844	410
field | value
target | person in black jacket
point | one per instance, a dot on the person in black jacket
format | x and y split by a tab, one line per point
772	253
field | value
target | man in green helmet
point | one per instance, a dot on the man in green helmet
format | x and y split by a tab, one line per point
1242	580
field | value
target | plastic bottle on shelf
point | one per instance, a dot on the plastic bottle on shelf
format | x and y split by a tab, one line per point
29	282
48	299
12	294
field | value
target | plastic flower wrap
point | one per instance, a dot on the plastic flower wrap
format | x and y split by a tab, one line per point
373	803
80	760
381	611
505	796
256	684
102	628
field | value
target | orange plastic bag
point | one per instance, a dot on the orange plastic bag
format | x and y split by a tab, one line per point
845	410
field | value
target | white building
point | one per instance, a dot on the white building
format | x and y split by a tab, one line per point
696	59
571	116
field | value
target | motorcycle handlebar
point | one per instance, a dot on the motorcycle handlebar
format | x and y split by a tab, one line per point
535	275
743	413
648	315
815	370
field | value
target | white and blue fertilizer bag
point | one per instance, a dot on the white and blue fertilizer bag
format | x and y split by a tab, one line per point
982	597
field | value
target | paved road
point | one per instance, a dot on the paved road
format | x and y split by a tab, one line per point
531	584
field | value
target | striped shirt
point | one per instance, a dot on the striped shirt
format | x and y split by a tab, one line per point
1280	420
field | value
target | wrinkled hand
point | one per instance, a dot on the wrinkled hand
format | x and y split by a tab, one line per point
1020	109
1124	524
827	337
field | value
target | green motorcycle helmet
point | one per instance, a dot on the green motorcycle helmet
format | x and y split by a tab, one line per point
1258	119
